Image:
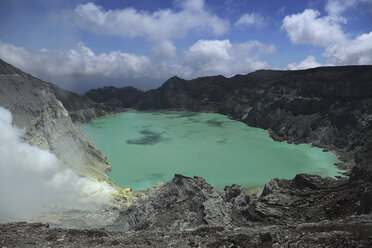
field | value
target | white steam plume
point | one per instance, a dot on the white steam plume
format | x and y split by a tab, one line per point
31	178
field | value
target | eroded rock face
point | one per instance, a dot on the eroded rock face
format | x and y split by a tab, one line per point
48	125
191	203
179	204
80	108
185	203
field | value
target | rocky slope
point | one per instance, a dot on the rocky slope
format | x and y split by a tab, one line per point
80	108
185	203
35	106
307	211
353	232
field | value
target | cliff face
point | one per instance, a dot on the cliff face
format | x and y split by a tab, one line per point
80	108
35	107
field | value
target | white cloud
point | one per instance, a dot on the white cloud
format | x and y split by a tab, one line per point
31	178
81	69
340	48
308	28
252	20
335	8
163	50
309	62
211	57
160	25
78	62
357	51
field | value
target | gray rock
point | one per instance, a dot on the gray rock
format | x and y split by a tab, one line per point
35	107
366	202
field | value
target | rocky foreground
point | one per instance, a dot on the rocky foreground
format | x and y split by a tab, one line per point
350	232
307	211
328	107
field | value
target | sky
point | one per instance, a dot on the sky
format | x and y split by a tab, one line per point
79	44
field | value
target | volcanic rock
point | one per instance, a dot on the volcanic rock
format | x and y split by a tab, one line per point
35	107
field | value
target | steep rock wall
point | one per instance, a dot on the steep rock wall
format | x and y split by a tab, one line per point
35	107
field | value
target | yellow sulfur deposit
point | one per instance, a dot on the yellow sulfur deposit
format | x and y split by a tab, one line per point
125	194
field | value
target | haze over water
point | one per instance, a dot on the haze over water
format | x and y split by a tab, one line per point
145	148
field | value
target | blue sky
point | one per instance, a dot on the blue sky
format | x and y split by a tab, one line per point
80	45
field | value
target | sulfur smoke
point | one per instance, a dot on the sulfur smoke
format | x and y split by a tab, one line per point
32	179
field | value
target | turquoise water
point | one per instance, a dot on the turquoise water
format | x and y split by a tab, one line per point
145	148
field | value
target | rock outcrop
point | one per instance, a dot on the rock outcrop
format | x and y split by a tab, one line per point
189	203
184	203
80	108
36	107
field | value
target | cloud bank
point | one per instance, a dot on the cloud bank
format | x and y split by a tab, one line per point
308	28
211	57
31	178
83	69
356	51
340	48
308	62
78	62
162	24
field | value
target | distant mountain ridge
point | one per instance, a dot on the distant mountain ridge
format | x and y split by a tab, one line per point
125	97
